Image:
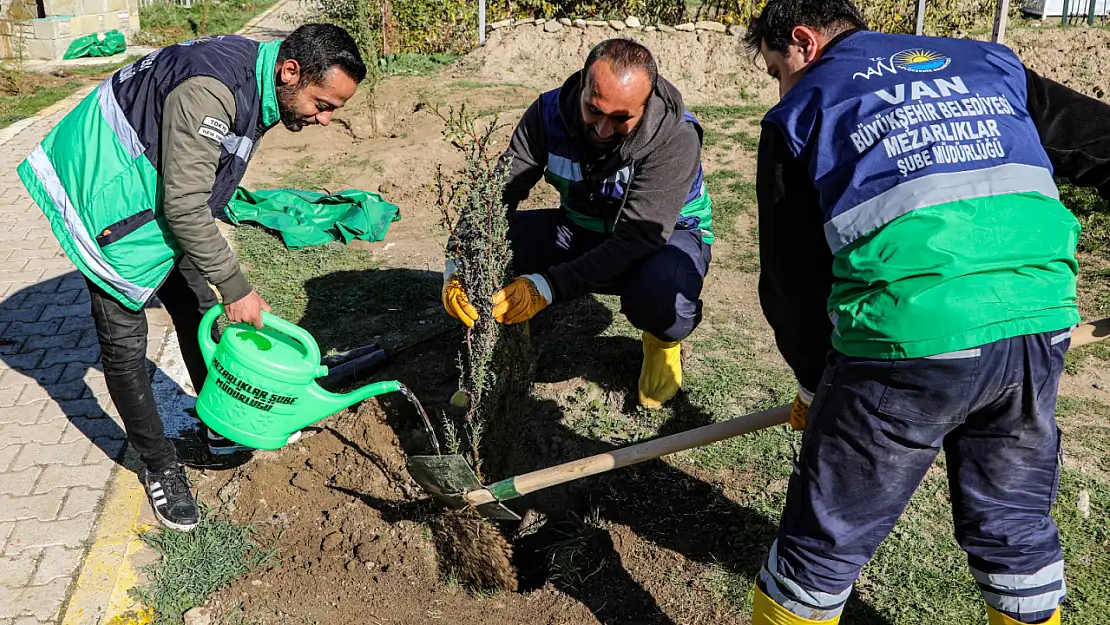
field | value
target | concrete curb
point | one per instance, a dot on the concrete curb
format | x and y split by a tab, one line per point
101	593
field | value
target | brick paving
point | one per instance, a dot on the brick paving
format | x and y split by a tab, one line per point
60	438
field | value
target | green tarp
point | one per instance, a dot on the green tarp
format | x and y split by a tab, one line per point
305	218
111	42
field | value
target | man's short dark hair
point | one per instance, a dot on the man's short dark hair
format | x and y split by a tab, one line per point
320	47
624	55
780	17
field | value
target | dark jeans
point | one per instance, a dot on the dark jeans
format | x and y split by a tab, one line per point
661	296
123	332
876	427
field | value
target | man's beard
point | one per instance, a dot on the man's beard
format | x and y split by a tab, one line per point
290	118
601	146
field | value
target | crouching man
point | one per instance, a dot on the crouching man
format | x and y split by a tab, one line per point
634	218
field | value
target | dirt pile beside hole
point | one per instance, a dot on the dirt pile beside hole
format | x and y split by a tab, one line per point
474	550
706	67
711	68
1075	57
356	538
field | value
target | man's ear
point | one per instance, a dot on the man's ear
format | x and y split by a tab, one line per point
289	72
810	41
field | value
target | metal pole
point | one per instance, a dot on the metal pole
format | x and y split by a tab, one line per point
481	22
1000	18
1090	12
920	28
1064	15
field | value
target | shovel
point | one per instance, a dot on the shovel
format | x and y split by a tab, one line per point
452	482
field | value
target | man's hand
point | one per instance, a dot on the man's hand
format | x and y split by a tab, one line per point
457	303
799	414
521	300
247	310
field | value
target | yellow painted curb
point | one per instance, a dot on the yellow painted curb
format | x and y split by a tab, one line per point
100	595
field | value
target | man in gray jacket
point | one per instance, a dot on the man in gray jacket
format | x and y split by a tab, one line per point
635	219
130	180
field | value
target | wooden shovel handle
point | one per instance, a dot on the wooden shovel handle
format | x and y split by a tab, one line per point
626	456
553	476
1092	332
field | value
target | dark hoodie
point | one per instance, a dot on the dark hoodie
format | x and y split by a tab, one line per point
665	153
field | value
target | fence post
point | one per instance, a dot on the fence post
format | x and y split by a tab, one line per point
1000	17
1090	12
481	22
1064	14
920	27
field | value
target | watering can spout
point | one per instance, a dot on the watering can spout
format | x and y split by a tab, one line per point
335	402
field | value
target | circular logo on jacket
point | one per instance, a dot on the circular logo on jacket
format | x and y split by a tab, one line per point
920	61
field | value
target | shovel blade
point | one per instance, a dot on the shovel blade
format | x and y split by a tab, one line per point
448	478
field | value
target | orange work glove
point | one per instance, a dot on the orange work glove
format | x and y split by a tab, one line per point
522	300
800	412
454	298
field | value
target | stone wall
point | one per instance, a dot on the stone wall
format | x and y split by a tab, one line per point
629	24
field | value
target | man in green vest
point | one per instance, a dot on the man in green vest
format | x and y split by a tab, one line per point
634	220
130	180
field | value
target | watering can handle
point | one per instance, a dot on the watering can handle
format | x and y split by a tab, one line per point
208	346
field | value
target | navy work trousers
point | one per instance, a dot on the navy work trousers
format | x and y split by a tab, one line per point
875	428
661	296
123	337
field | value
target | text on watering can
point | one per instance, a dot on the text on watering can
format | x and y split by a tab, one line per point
247	394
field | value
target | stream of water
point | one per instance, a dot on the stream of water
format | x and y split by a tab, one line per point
409	395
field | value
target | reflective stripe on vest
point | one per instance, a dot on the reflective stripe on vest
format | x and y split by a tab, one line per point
85	244
862	219
117	121
241	147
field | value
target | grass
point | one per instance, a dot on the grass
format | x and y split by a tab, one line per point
733	195
21	106
572	560
410	64
164	23
712	113
326	289
738	139
22	94
1093	214
596	419
195	565
307	175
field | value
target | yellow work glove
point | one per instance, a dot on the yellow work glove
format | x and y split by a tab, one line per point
454	297
522	300
800	412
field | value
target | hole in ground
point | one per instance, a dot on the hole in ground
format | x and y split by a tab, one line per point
566	550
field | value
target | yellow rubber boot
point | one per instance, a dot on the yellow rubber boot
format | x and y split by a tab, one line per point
766	612
997	618
661	373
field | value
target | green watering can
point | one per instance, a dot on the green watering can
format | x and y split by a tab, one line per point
261	384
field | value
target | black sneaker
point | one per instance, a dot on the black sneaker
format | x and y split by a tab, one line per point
171	497
220	446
